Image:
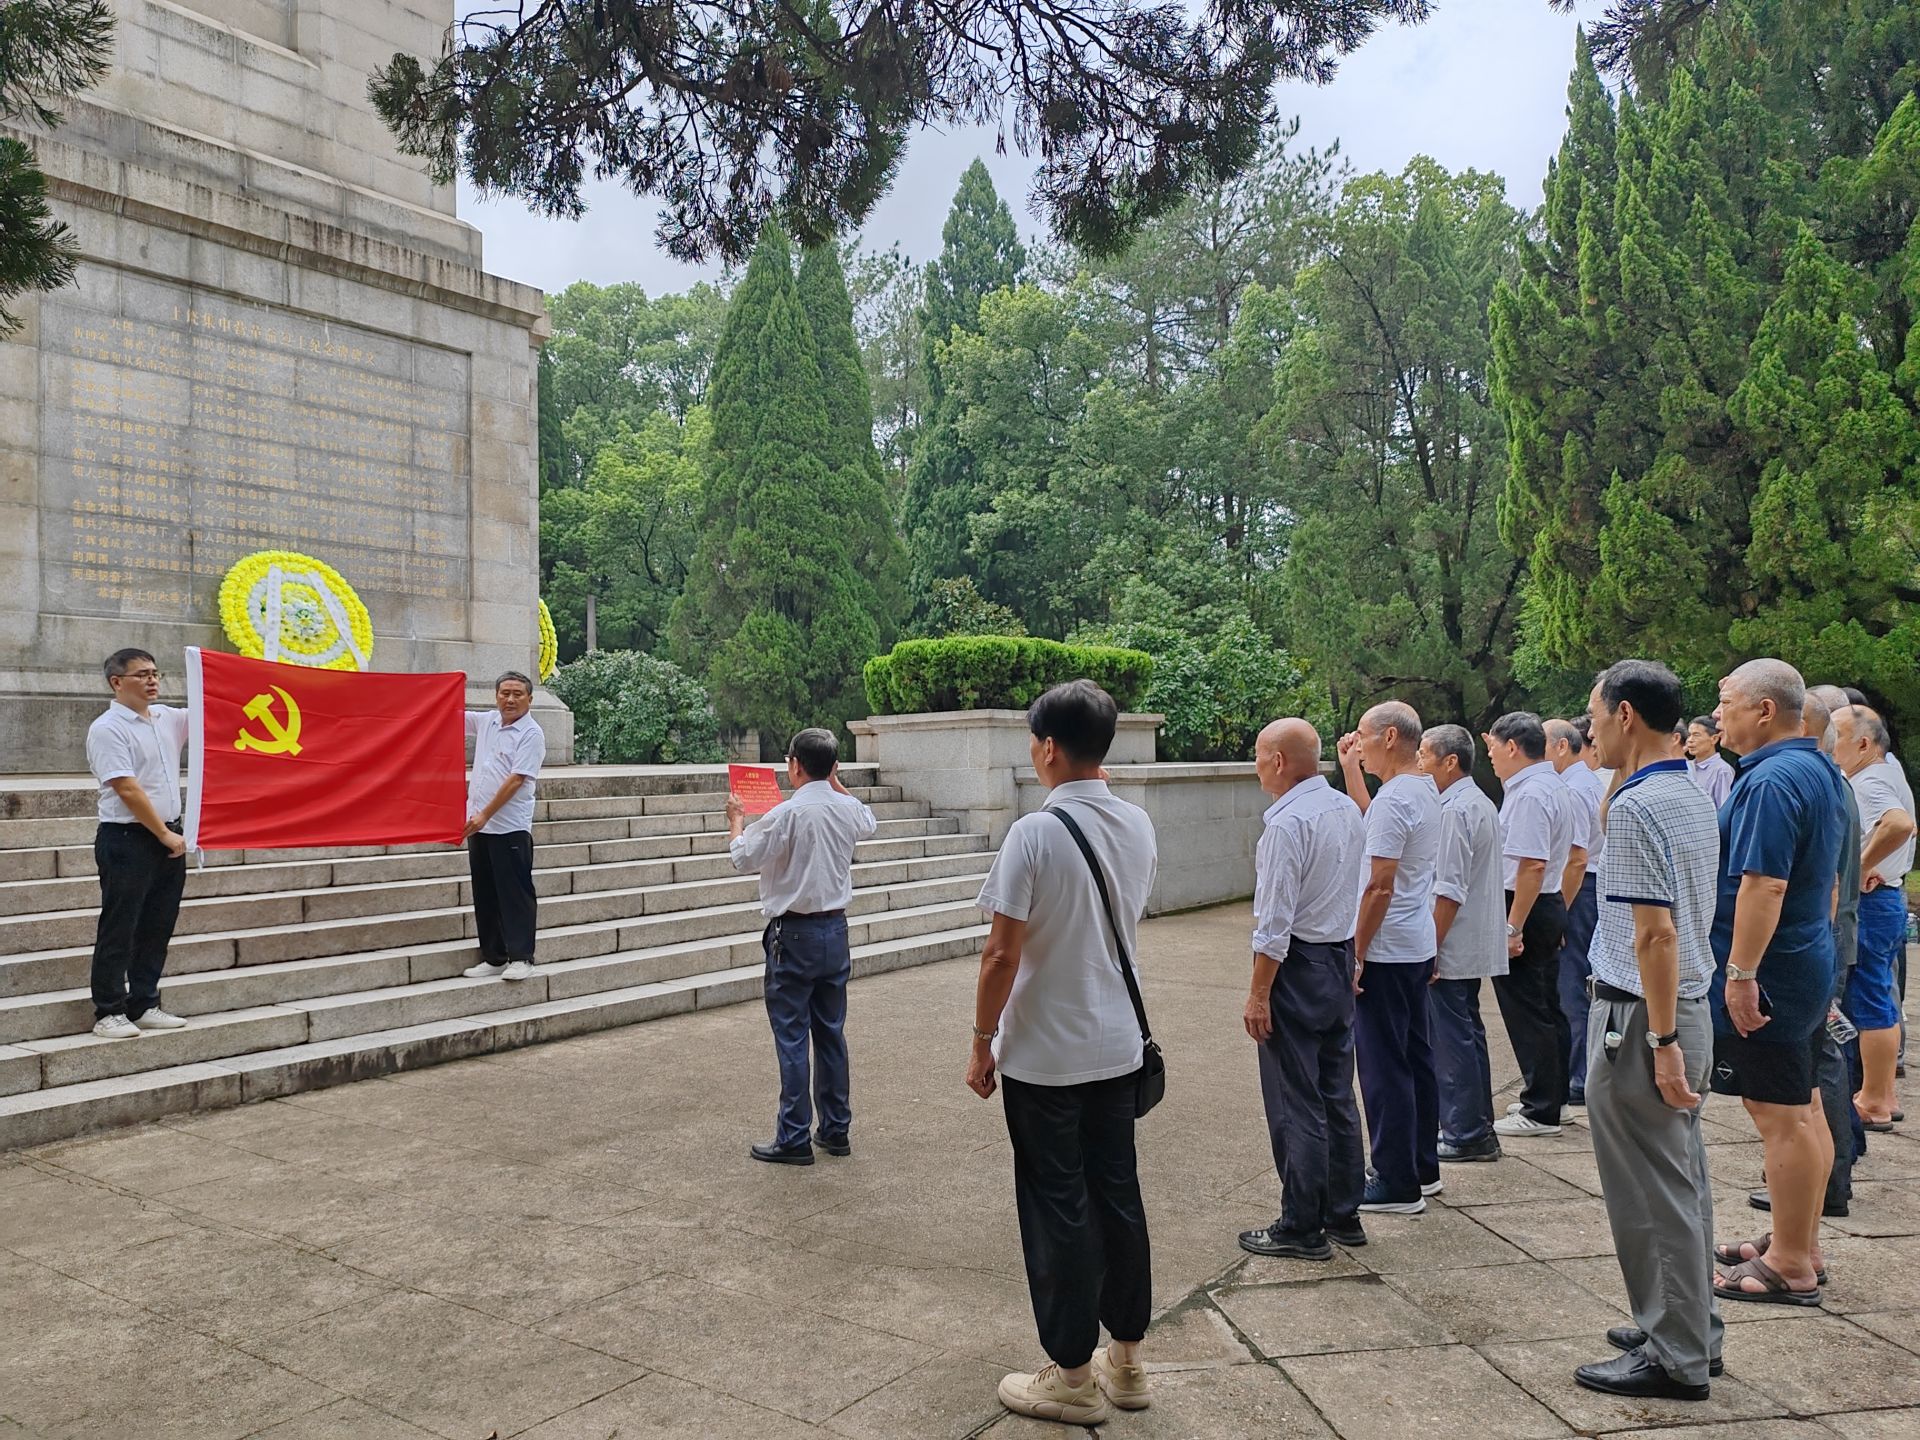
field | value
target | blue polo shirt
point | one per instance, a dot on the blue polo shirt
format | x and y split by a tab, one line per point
1785	818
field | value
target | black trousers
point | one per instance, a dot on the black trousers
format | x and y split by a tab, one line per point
140	885
1306	1088
1083	1226
1529	996
503	899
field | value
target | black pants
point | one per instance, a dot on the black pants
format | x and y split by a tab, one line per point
140	885
503	899
1083	1226
808	965
1529	996
1394	1043
1306	1087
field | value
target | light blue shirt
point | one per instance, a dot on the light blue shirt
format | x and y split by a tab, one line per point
1303	869
1469	875
123	743
1536	823
1403	824
1663	848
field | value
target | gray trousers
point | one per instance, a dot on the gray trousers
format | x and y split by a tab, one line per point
1653	1173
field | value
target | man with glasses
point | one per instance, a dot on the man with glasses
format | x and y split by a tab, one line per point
133	751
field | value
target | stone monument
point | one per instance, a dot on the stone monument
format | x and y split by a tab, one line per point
281	337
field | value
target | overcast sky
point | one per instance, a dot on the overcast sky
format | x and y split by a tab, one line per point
1482	85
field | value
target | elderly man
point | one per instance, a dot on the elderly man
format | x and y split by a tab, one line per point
1566	748
1712	774
1300	1011
508	746
1537	823
1780	840
1886	855
1469	924
1650	1041
1394	949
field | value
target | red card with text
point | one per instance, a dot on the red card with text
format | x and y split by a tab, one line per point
755	786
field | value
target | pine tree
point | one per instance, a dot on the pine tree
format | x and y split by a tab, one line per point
981	252
776	613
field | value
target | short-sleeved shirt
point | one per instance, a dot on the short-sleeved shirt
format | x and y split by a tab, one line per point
1403	824
1663	848
1303	869
1536	823
1714	777
1877	789
1068	1019
1784	819
1846	914
121	743
499	751
1587	791
803	850
1469	875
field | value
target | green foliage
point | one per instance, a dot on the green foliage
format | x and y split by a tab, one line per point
996	672
1218	693
49	50
956	607
633	709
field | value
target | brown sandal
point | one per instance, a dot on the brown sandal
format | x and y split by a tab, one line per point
1775	1291
1732	1254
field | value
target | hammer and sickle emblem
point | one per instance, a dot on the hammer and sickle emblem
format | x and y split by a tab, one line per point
285	738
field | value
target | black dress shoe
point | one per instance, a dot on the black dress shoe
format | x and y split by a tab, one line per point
1639	1375
783	1155
1347	1232
1486	1149
1833	1209
842	1146
1286	1244
1629	1337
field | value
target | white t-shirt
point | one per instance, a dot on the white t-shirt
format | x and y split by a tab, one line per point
1069	1019
1878	788
1403	823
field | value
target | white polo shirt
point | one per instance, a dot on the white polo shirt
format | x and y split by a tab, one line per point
1469	875
1403	824
1303	869
1589	790
1877	789
1069	1019
803	850
1536	823
122	743
499	751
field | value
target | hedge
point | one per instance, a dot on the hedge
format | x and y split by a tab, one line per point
996	672
633	709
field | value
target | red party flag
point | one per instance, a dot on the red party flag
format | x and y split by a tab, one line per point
755	786
285	756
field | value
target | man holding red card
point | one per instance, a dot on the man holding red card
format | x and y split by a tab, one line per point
802	850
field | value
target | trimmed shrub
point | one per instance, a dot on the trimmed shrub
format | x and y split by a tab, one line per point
996	672
631	709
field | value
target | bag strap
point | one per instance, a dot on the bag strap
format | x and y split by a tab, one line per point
1106	904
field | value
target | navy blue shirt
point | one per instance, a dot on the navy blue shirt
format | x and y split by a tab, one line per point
1785	818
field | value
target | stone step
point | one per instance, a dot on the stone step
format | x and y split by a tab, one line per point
657	859
572	926
49	1014
54	1113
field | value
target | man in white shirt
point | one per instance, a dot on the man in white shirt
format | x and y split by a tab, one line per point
1707	769
1052	1017
1536	835
133	751
508	747
1300	1010
1394	947
1469	922
1566	749
1886	855
803	851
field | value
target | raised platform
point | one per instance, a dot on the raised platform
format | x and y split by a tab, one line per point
298	969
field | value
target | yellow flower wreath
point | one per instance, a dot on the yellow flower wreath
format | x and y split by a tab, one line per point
549	645
319	620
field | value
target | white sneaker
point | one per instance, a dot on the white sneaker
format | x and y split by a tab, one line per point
1522	1125
1124	1385
1515	1108
518	970
1047	1396
484	971
115	1027
1433	1187
158	1019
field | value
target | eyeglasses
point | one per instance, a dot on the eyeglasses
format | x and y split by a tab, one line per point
145	675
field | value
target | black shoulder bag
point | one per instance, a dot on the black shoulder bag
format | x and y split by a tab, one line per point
1150	1080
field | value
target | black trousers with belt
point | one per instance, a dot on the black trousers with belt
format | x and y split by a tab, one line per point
1083	1225
1529	996
140	888
1306	1088
503	900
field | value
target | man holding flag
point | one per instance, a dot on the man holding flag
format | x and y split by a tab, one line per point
507	750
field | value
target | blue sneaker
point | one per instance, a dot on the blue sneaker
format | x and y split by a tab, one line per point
1378	1201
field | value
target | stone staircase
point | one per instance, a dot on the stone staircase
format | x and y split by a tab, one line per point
297	969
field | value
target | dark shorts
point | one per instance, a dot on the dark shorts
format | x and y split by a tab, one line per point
1770	1072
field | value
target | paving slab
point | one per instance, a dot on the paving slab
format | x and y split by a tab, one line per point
1441	1239
1551	1229
1248	1402
1902	1327
1516	1177
659	1407
948	1398
1506	1302
1875	1424
1823	1364
149	1159
1357	1314
1380	1395
343	1420
1544	1369
1194	1335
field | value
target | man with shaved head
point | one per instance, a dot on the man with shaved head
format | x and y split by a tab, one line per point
1394	948
1300	1009
1780	840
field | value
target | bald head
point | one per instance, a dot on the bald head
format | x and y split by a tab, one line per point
1768	680
1395	722
1815	716
1760	703
1831	696
1294	741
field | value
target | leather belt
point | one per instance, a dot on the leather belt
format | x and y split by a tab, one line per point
814	915
1600	990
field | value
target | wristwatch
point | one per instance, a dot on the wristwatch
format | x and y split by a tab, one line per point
1734	972
1660	1042
1513	932
984	1035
